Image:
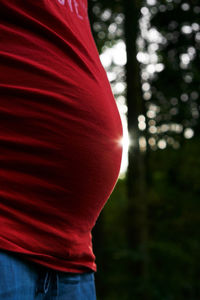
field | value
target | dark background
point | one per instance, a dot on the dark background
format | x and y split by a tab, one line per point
146	239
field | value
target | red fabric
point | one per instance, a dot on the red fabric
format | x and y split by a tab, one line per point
59	133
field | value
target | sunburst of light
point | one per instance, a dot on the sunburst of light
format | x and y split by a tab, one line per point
125	142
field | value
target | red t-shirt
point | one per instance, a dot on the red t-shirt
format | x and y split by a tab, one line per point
60	132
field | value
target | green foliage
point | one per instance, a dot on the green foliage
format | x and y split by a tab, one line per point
104	14
174	221
176	89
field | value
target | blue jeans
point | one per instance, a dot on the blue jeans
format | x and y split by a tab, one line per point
24	280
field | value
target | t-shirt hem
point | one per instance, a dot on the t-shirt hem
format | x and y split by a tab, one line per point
47	260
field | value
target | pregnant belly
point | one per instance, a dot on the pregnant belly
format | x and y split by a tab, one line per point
60	134
58	154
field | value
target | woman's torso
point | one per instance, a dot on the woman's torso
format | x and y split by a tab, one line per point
60	132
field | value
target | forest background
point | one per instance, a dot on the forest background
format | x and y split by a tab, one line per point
146	239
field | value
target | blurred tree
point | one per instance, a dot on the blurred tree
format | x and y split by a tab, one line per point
137	227
101	18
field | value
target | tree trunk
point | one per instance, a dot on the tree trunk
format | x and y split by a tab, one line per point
136	174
